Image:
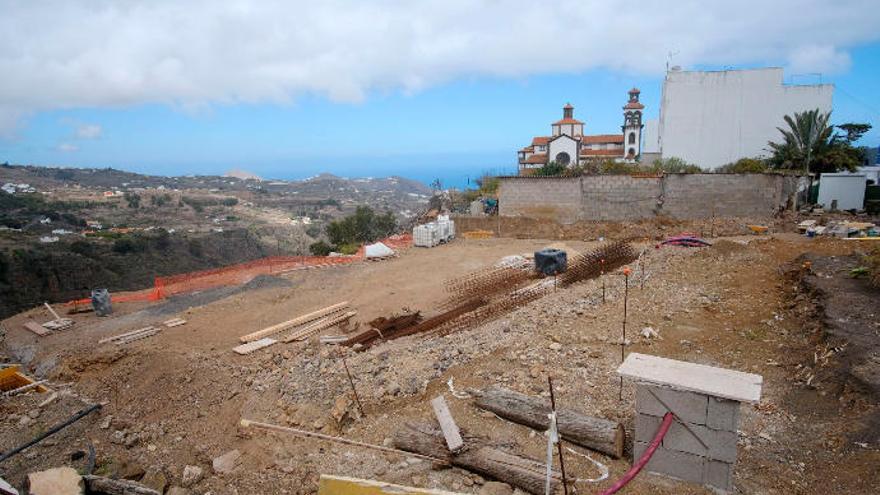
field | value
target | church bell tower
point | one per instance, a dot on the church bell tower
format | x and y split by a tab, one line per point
632	126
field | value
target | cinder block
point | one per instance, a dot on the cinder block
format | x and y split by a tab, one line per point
722	414
719	475
646	427
719	445
689	407
687	467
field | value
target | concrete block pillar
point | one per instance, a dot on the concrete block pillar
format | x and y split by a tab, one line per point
700	446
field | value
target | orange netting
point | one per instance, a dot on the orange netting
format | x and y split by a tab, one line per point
241	273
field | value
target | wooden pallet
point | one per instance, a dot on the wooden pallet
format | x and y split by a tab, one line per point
59	324
126	335
174	322
138	336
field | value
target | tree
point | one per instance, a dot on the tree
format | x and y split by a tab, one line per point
133	199
807	136
854	131
362	227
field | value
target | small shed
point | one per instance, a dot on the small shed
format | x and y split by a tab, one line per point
845	188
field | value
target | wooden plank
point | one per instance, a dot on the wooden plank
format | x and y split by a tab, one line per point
300	320
123	335
341	485
253	346
681	375
316	327
447	424
52	311
174	322
36	328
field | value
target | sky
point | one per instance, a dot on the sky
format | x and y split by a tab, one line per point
423	89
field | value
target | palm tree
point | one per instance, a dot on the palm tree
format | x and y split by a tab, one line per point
808	134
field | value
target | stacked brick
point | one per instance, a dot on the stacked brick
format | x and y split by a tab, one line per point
700	446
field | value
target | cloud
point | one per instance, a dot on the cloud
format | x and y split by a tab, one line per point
88	131
62	54
68	147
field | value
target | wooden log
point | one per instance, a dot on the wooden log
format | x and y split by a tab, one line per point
597	434
521	472
109	486
280	327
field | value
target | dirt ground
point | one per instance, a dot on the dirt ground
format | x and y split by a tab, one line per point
176	399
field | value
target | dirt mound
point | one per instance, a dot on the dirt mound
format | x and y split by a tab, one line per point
726	247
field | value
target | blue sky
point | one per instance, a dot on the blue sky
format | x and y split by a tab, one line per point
425	113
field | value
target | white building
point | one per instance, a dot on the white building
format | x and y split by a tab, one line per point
567	144
714	118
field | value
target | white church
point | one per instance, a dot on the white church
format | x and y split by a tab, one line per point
567	144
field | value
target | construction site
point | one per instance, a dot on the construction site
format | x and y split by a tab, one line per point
481	365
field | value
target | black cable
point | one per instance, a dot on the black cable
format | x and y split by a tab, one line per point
52	431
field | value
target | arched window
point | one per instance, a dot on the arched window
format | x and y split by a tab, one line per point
632	138
563	158
632	152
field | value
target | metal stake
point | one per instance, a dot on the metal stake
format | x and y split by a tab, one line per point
623	340
602	275
353	390
558	444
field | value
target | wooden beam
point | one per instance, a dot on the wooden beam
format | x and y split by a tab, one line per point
300	320
52	311
317	326
447	424
253	346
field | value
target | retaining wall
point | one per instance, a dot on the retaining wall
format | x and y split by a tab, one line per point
625	197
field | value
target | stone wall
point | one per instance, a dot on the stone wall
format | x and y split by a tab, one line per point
624	197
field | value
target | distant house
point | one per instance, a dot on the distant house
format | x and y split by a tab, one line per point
567	144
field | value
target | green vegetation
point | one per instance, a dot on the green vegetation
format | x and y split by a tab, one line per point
160	201
744	166
362	227
809	144
133	199
320	248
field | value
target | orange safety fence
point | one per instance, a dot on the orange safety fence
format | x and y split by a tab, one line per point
241	273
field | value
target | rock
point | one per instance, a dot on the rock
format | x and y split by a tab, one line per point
105	423
129	470
57	481
496	488
24	421
176	490
555	346
191	476
227	462
155	479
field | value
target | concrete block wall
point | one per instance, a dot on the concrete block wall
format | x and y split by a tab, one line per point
546	197
619	197
624	197
700	446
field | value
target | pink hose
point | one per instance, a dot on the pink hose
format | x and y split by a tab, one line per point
646	456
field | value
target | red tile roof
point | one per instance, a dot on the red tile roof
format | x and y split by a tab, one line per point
527	149
589	152
567	121
539	158
540	140
602	138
